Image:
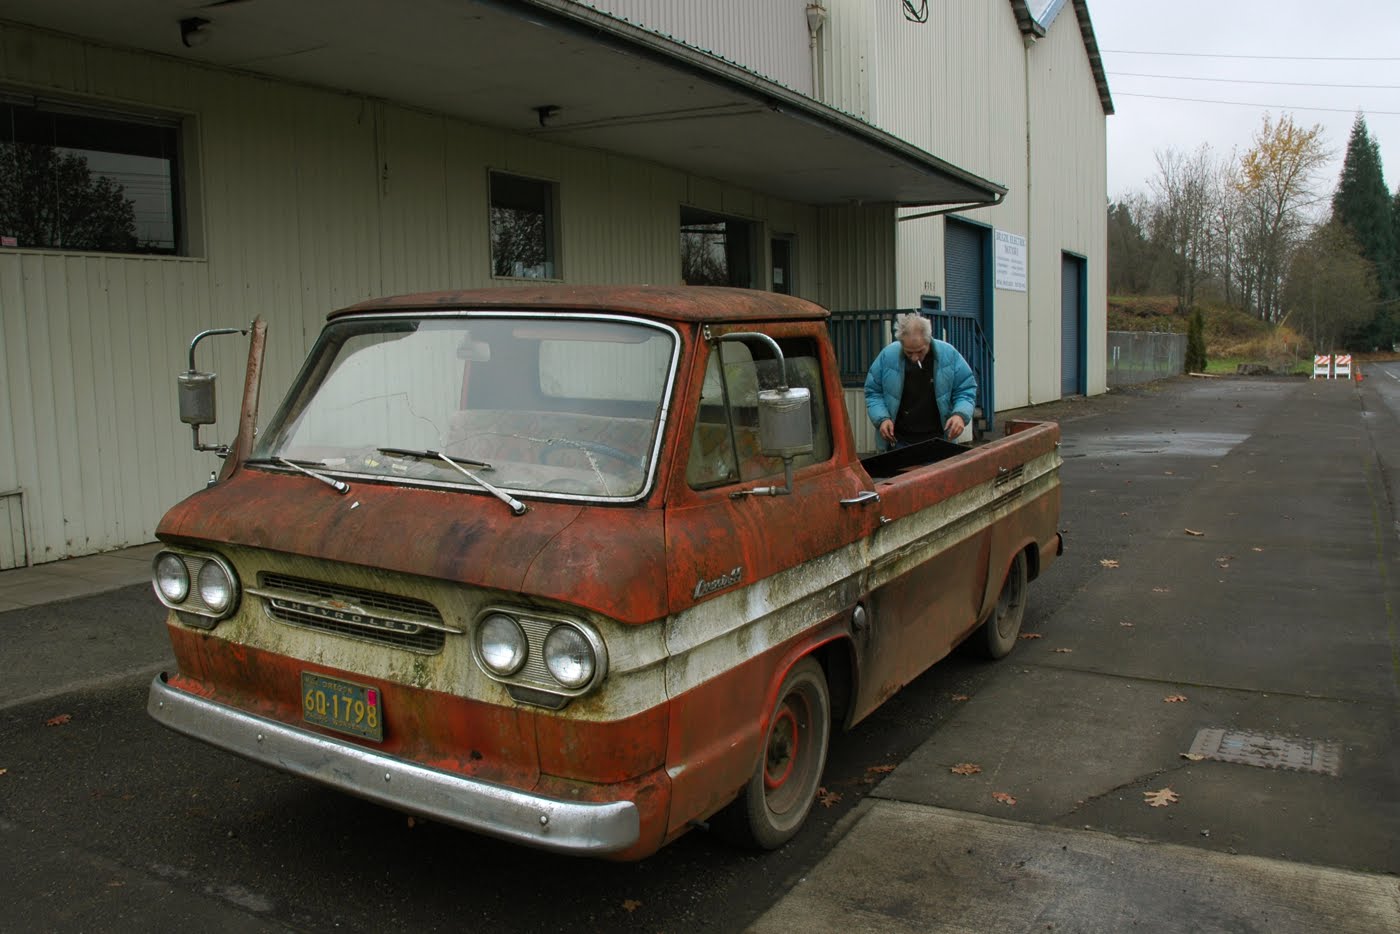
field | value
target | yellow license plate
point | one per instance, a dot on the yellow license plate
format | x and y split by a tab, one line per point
342	706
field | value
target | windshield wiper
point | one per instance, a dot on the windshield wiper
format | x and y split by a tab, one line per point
340	486
434	455
516	506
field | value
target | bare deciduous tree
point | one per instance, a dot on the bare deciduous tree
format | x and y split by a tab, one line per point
1278	183
1181	219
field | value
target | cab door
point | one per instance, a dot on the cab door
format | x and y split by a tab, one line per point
751	576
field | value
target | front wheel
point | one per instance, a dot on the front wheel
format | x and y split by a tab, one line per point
776	801
998	634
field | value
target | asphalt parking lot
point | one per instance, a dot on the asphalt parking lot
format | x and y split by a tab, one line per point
1198	731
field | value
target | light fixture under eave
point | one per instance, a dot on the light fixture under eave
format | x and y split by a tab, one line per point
192	31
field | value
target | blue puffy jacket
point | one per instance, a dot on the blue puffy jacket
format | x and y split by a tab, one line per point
954	385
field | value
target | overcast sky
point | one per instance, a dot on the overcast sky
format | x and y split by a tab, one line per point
1294	35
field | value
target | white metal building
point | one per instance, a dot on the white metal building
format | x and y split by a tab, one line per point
167	167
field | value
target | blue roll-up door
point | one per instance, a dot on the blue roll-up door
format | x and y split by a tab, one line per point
964	258
1071	325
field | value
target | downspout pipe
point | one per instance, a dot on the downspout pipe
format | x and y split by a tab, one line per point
816	19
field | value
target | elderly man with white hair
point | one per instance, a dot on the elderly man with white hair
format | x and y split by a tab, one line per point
919	388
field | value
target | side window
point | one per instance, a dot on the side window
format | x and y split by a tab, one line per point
76	178
524	230
725	445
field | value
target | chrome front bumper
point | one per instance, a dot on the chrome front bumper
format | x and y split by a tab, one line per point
564	826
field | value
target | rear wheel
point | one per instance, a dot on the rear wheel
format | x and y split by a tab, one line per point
998	634
776	801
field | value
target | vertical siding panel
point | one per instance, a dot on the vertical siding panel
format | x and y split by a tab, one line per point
18	459
41	444
765	36
86	515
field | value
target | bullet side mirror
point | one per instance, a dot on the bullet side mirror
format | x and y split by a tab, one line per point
785	422
196	394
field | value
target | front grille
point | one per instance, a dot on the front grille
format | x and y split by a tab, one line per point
366	615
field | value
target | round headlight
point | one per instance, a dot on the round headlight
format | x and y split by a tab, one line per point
215	587
500	643
569	656
172	578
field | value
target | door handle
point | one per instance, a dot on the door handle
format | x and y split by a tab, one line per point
864	496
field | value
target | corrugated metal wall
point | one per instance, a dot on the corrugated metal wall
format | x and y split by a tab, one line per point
1069	188
766	36
304	201
964	86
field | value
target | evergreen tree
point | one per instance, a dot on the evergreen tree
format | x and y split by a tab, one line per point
1196	343
1362	204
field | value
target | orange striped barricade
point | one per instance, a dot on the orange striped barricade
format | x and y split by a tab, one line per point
1341	367
1322	366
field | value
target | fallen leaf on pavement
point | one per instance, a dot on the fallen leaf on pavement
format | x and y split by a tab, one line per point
58	720
1193	756
966	768
826	798
962	697
1174	698
879	769
1064	651
4	771
630	905
1108	562
1030	635
1004	798
1194	532
1161	797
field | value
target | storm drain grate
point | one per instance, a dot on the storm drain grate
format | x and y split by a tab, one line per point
1269	752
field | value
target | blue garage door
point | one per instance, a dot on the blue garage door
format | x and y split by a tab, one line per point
1071	325
964	257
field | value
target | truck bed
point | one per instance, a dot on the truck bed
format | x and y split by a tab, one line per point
891	464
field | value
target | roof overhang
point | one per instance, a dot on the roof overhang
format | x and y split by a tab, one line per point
611	85
1034	25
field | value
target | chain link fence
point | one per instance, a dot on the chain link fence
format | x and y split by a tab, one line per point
1142	356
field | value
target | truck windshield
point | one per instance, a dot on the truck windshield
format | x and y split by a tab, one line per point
564	406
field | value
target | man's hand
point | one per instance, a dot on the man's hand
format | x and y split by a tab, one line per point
887	430
954	427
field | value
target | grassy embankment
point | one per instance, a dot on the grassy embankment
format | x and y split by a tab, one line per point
1233	337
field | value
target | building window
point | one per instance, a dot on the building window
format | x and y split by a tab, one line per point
716	250
524	233
72	178
781	251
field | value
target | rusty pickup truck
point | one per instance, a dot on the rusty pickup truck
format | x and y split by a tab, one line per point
582	568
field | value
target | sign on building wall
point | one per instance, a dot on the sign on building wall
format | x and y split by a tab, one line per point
1011	261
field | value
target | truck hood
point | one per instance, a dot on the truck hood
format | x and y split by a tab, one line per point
608	559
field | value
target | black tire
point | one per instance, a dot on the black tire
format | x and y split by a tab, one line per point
778	797
999	632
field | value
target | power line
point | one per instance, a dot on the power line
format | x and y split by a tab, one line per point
1280	58
1199	100
1296	84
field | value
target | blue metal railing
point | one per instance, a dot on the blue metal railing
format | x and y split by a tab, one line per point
858	336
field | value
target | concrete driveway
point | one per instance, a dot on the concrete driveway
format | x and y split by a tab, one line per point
1220	640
